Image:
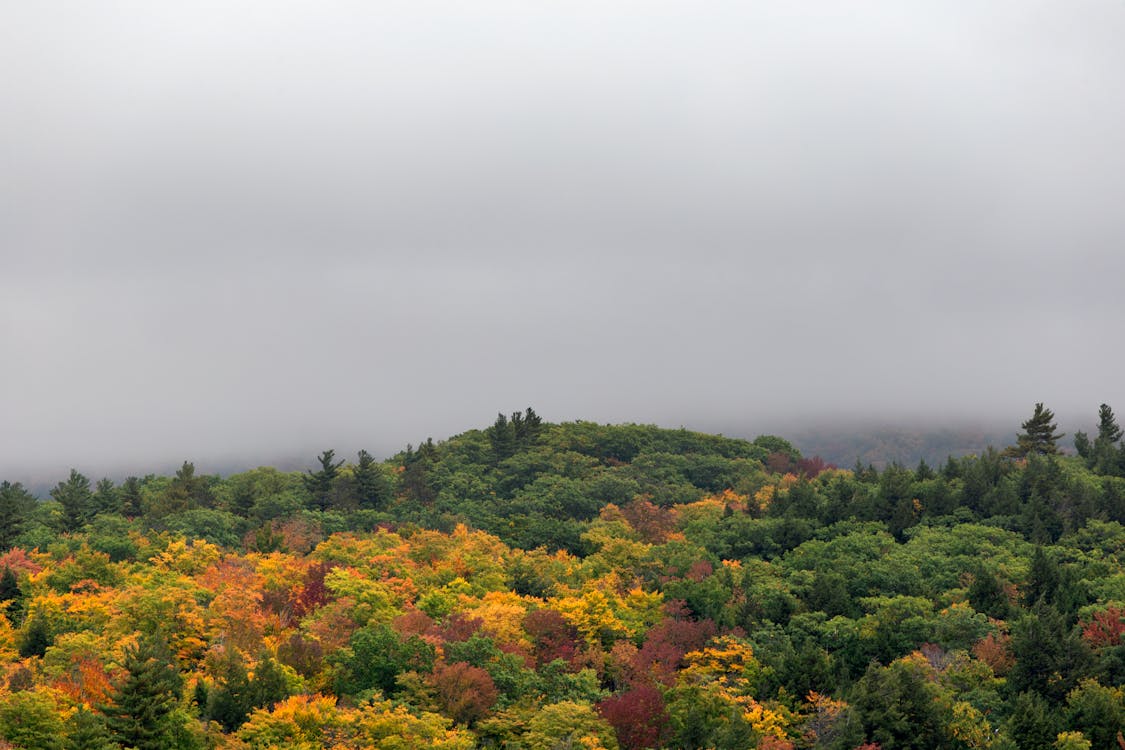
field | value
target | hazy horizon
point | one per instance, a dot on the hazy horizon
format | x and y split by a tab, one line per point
239	231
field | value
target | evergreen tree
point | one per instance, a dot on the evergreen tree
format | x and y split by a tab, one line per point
986	594
105	497
1105	456
502	436
1033	725
15	504
1108	429
415	479
36	638
76	499
86	730
320	483
371	485
10	592
130	497
269	685
1042	580
1050	659
229	702
526	427
1038	436
141	708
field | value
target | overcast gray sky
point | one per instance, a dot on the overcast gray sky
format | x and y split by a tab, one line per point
240	229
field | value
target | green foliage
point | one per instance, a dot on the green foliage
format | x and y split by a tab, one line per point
15	505
374	658
141	712
30	719
76	499
1039	436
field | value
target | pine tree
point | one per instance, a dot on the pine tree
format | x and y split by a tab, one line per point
10	592
229	702
129	495
1042	580
1105	457
140	712
15	504
105	497
371	486
76	499
86	730
320	483
502	436
1038	437
36	638
1108	429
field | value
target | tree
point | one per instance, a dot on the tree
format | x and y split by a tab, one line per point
230	701
1106	457
76	499
1108	429
140	712
105	497
1038	437
371	487
319	483
638	716
465	693
37	638
15	504
86	731
30	719
898	707
502	436
130	497
1033	725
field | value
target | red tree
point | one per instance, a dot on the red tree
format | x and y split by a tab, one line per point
637	716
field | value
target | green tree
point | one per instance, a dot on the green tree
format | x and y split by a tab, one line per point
898	708
502	437
1106	455
375	656
1042	580
1032	724
320	483
130	497
36	638
15	506
141	714
76	499
268	685
30	719
105	497
10	592
86	730
230	701
1097	711
1049	658
1038	436
371	485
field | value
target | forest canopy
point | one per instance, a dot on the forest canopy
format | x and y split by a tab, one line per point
538	585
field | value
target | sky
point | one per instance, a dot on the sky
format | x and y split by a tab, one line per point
240	231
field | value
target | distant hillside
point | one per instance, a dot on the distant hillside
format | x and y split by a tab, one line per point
882	446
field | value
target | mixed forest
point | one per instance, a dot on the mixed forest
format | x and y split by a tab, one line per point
532	586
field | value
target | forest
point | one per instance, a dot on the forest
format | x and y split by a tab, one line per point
533	586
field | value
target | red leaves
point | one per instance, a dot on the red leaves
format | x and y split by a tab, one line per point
1105	628
638	716
466	693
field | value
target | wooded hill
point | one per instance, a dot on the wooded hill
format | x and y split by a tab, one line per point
535	585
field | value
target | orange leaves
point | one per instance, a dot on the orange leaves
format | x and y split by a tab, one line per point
995	651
